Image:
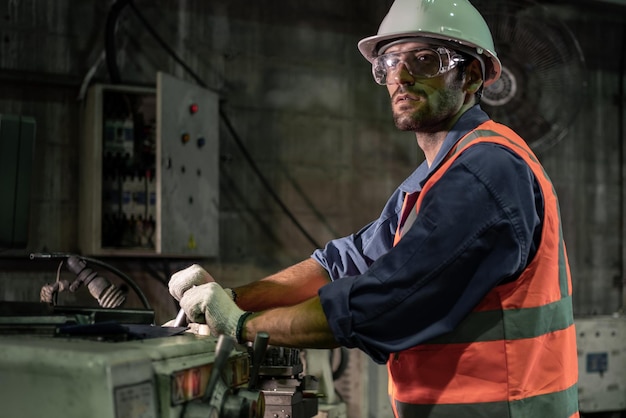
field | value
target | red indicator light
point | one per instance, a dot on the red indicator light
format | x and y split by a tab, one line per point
193	108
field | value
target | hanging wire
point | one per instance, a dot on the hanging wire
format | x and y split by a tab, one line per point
116	78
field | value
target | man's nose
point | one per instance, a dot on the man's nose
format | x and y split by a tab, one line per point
401	75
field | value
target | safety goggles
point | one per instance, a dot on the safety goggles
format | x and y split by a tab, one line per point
420	63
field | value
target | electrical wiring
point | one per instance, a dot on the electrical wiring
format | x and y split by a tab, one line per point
109	39
114	73
620	101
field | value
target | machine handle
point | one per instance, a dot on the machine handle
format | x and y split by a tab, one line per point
222	352
259	348
181	319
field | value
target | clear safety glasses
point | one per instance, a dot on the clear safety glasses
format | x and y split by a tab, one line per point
420	63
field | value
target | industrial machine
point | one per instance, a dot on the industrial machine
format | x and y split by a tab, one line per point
110	362
105	370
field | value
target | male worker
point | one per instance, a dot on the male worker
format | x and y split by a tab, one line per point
462	285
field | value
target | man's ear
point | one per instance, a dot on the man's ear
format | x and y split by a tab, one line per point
473	77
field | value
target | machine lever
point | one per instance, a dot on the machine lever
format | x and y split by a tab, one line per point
222	351
181	319
259	348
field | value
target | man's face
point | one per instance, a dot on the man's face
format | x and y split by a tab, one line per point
423	104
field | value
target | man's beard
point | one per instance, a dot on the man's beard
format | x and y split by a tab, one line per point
407	122
403	120
426	118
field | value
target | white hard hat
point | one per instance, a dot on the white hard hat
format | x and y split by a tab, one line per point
450	21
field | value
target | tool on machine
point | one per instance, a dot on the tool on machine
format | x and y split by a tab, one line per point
259	348
107	294
288	392
181	319
220	401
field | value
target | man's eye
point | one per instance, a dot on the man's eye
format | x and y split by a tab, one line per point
425	58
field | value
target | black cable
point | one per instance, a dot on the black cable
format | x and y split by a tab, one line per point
163	279
120	274
109	40
261	177
225	119
621	101
164	45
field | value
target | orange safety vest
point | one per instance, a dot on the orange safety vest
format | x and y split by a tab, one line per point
514	355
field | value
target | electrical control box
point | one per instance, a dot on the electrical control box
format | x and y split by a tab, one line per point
601	344
149	170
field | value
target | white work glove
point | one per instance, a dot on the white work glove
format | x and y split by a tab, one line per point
211	304
183	280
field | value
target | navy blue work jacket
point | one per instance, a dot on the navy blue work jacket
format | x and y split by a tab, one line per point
478	226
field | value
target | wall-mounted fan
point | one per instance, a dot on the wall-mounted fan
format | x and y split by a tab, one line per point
543	71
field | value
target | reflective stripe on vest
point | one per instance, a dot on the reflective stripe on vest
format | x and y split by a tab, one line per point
542	406
514	355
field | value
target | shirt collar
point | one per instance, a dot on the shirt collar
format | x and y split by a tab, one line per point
468	121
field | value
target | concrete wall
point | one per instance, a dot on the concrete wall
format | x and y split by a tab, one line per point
294	87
